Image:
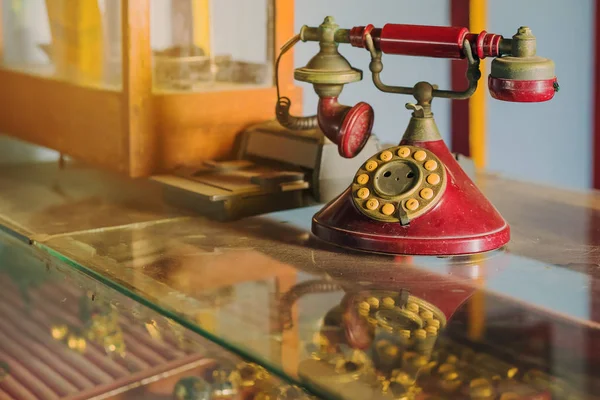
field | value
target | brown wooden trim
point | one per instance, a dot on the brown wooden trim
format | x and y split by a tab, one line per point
141	140
459	127
83	122
190	132
284	30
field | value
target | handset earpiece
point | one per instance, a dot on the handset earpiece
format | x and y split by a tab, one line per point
348	127
522	76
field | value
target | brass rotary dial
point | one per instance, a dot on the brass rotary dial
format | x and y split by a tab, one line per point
399	184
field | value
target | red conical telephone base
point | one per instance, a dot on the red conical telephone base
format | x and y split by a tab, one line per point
462	222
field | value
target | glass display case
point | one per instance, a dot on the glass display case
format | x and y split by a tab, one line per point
140	87
192	46
65	335
92	260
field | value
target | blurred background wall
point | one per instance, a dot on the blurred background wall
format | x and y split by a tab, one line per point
547	142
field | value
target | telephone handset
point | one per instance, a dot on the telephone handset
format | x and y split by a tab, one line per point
414	198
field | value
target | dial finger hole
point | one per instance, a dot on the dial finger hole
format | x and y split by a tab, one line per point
388	209
372	204
362	179
433	179
420	155
426	193
412	204
404	152
371	166
431	165
363	193
386	155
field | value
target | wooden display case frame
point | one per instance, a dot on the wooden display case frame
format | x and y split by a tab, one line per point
135	131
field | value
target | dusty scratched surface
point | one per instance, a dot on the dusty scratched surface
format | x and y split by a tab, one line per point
548	224
109	223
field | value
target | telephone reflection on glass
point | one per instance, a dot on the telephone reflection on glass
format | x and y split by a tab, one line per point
413	198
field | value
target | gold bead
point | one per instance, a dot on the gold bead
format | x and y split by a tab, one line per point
433	322
405	333
412	307
481	388
433	179
363	305
363	312
72	342
372	204
371	165
386	155
388	209
420	155
76	343
426	193
59	332
373	302
510	396
363	193
450	376
403	378
404	152
388	302
420	334
426	314
392	351
431	165
362	179
412	204
431	330
446	367
451	359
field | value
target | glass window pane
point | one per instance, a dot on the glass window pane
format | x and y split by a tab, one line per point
76	41
201	45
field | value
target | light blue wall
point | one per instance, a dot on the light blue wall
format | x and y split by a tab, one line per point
548	142
390	115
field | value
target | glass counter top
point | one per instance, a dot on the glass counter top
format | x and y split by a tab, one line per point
520	323
45	199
